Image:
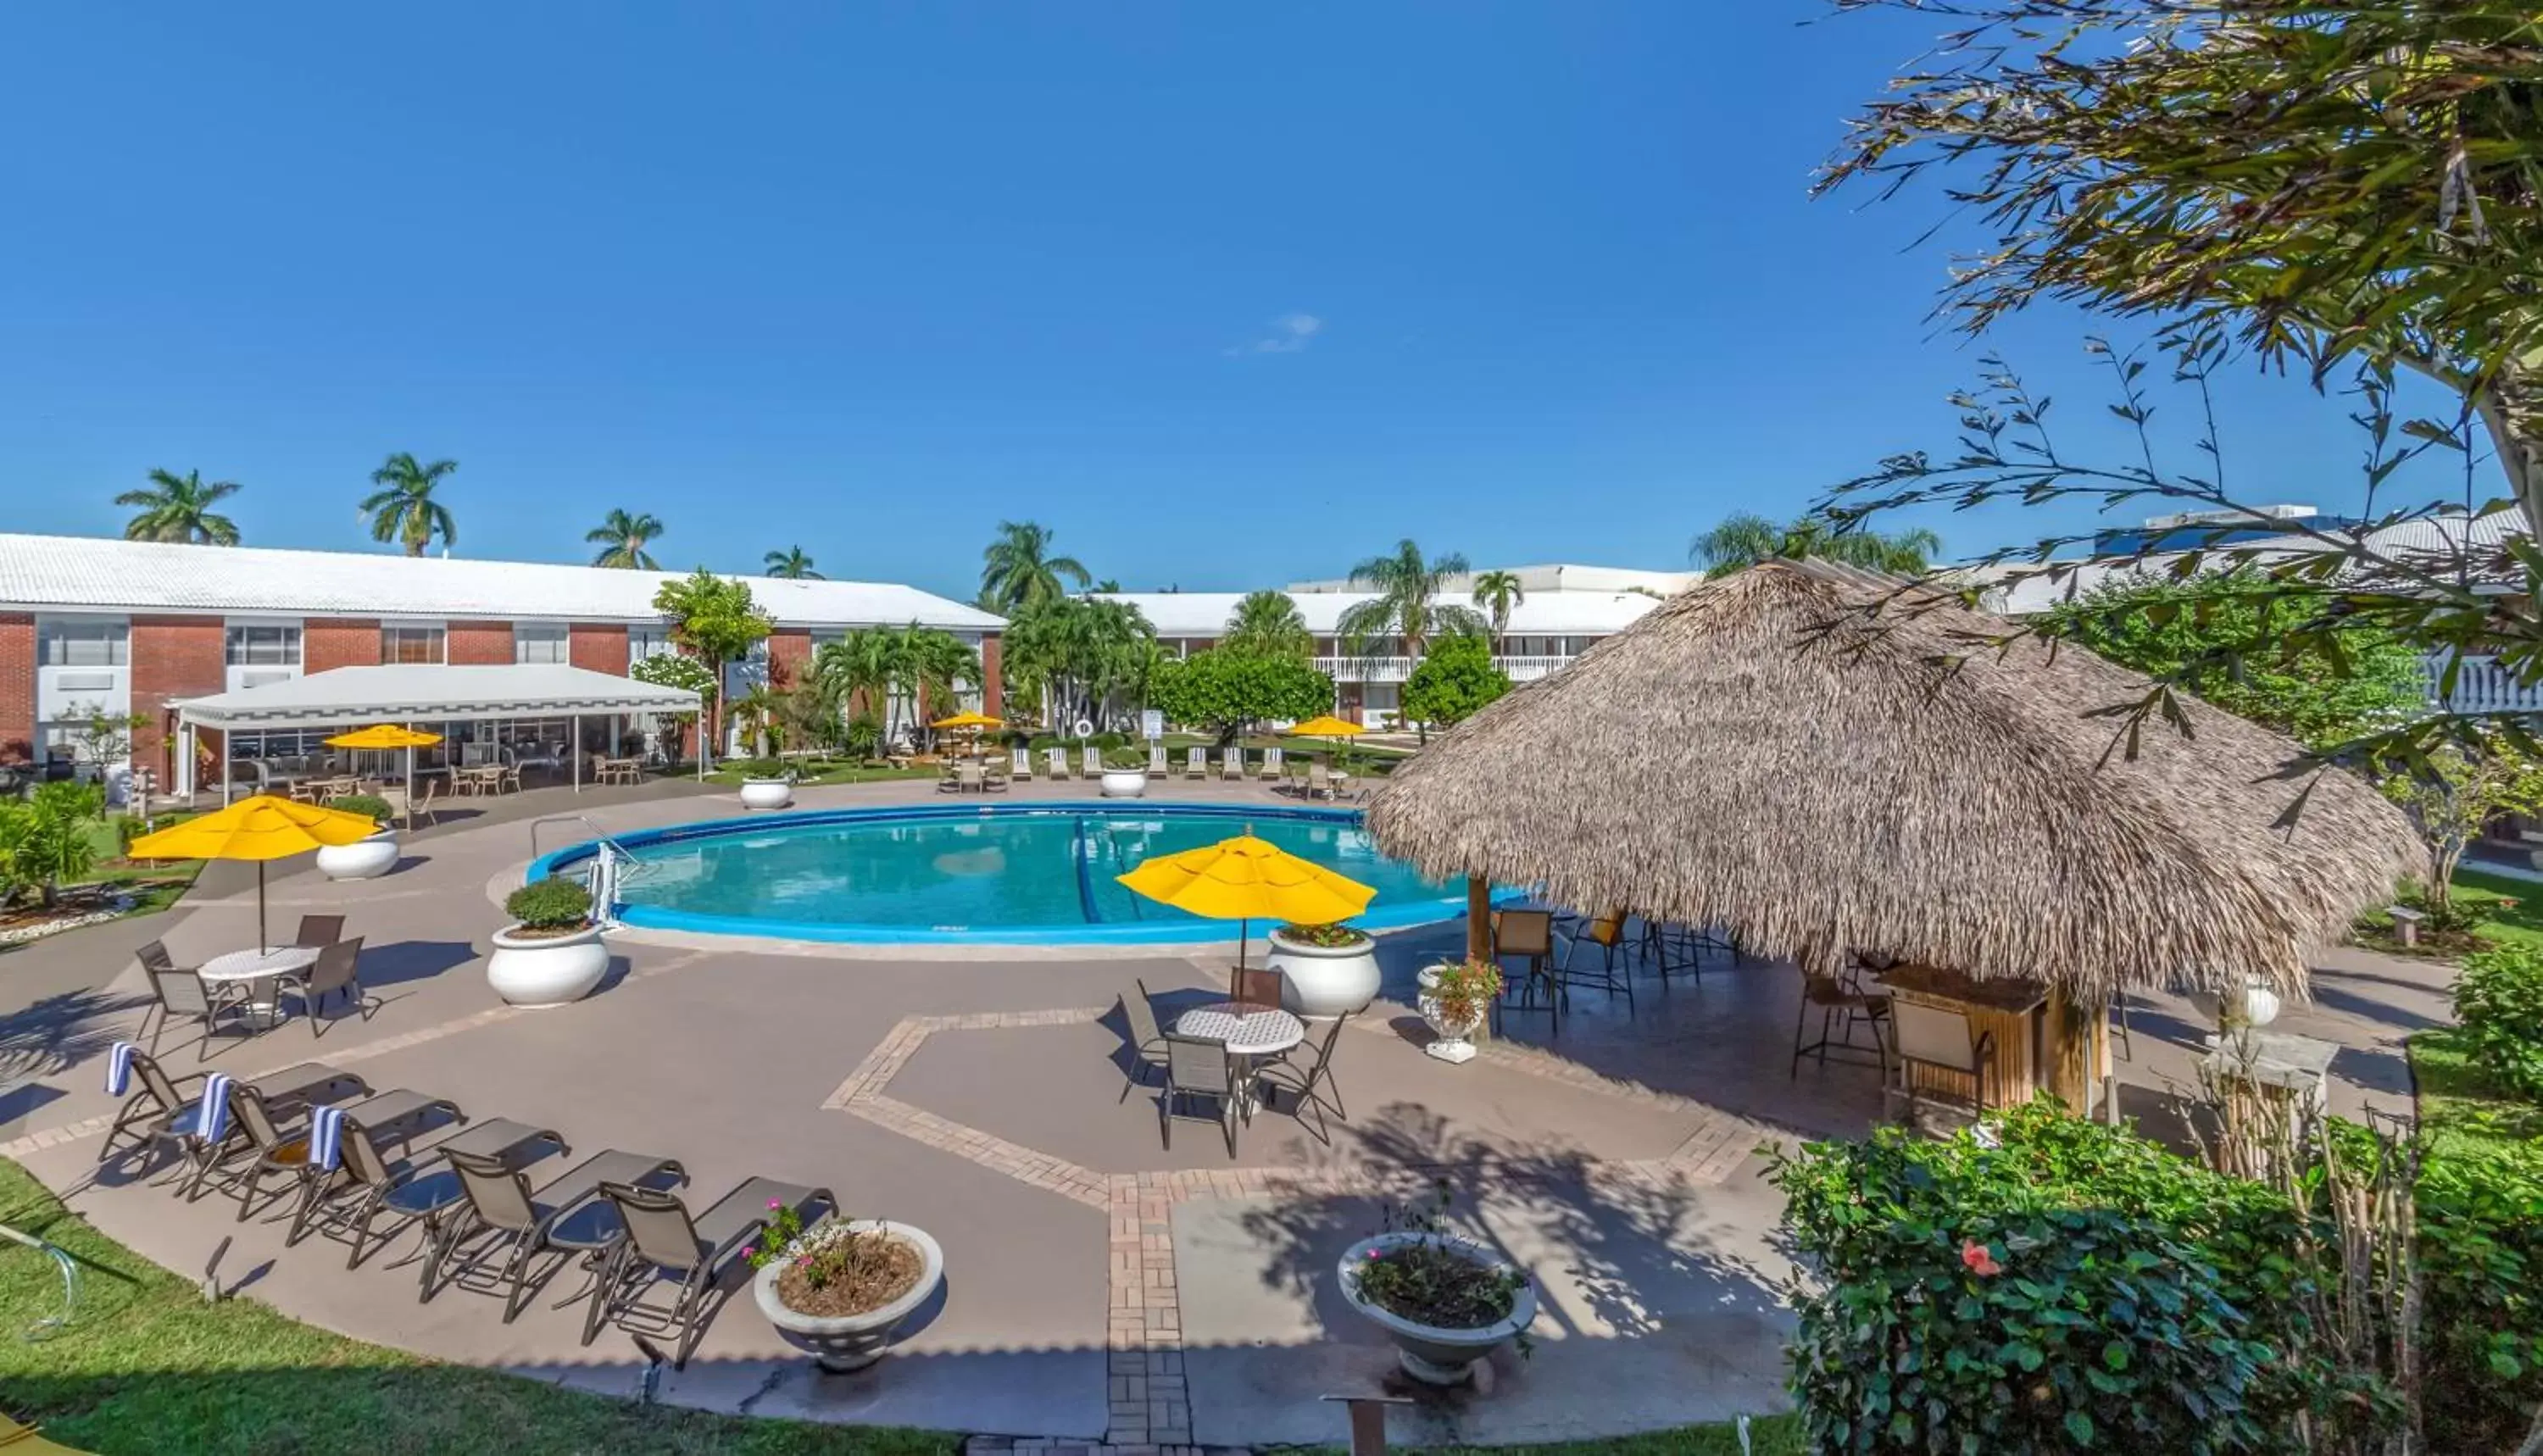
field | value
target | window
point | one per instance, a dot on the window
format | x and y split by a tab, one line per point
413	645
536	642
263	646
70	642
647	642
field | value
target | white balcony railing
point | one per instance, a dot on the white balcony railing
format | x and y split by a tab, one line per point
2481	686
1397	670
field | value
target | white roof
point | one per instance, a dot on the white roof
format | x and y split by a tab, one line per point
1549	614
1551	577
2425	537
98	575
398	691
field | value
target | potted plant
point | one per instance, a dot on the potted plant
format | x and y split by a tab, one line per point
1448	1300
840	1290
1456	999
766	784
365	859
1325	969
552	951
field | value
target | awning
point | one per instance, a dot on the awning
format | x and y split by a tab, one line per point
433	692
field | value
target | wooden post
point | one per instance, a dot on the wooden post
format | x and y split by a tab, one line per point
2071	1043
1479	918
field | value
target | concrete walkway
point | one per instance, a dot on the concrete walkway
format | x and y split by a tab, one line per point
1100	1286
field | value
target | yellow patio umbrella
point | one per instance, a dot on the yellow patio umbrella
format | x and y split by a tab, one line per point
392	735
969	720
1246	879
260	828
1329	726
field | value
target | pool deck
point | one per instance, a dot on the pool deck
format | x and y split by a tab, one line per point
1100	1286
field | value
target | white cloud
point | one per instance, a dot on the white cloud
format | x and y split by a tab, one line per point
1288	333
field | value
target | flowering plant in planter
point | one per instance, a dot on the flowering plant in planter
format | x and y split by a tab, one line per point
1435	1279
1332	937
839	1267
1465	990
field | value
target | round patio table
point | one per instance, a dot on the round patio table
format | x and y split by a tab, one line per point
1249	1031
252	967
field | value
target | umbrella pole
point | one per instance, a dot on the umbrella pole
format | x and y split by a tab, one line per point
260	944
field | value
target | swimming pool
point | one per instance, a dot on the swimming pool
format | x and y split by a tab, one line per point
1037	874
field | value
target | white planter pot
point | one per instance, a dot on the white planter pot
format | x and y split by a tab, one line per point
364	859
1322	981
2259	1006
1126	783
852	1342
1430	1353
1449	1041
549	971
766	793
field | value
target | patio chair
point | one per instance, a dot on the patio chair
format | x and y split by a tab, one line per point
1320	781
1935	1036
565	1216
175	991
337	969
320	930
971	778
1148	1043
1312	1085
1022	773
1529	936
1056	758
1844	1009
422	811
1156	760
1254	985
950	780
1273	768
1607	933
1090	761
1195	762
1198	1067
993	776
1232	764
664	1241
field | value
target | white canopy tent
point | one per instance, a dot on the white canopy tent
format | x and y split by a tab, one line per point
427	692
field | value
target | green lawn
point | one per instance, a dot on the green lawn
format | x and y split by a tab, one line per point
826	773
148	1369
2512	908
2460	1109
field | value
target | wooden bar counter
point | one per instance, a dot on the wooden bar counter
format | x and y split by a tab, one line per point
2012	1011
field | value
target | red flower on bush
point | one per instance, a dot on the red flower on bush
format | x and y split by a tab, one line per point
1976	1259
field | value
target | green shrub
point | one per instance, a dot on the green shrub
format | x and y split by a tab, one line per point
2500	1002
2139	1292
1125	758
127	828
1102	742
2481	1265
369	806
864	738
761	768
553	903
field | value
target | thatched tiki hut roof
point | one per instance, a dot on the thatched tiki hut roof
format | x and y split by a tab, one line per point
1769	753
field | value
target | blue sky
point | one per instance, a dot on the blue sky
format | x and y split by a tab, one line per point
1225	295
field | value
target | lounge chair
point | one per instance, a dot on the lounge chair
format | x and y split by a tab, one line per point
271	1134
1057	758
1090	761
1272	767
1197	762
993	776
1147	1042
1320	781
252	1119
950	781
161	1109
664	1241
1197	1067
1022	773
565	1216
971	778
1232	764
337	969
367	1181
1156	760
179	992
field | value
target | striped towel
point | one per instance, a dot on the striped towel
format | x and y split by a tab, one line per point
326	1136
212	1113
118	1068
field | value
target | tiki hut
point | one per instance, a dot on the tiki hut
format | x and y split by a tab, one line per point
1827	760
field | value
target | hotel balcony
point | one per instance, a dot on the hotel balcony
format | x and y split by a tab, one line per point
1397	670
2481	686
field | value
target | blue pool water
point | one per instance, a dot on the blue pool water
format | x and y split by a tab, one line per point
1026	873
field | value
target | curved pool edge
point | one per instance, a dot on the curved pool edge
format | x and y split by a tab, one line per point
1384	920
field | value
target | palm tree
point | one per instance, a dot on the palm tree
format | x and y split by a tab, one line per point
1496	592
403	509
1268	623
791	563
622	539
179	508
1017	571
1405	583
1743	538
